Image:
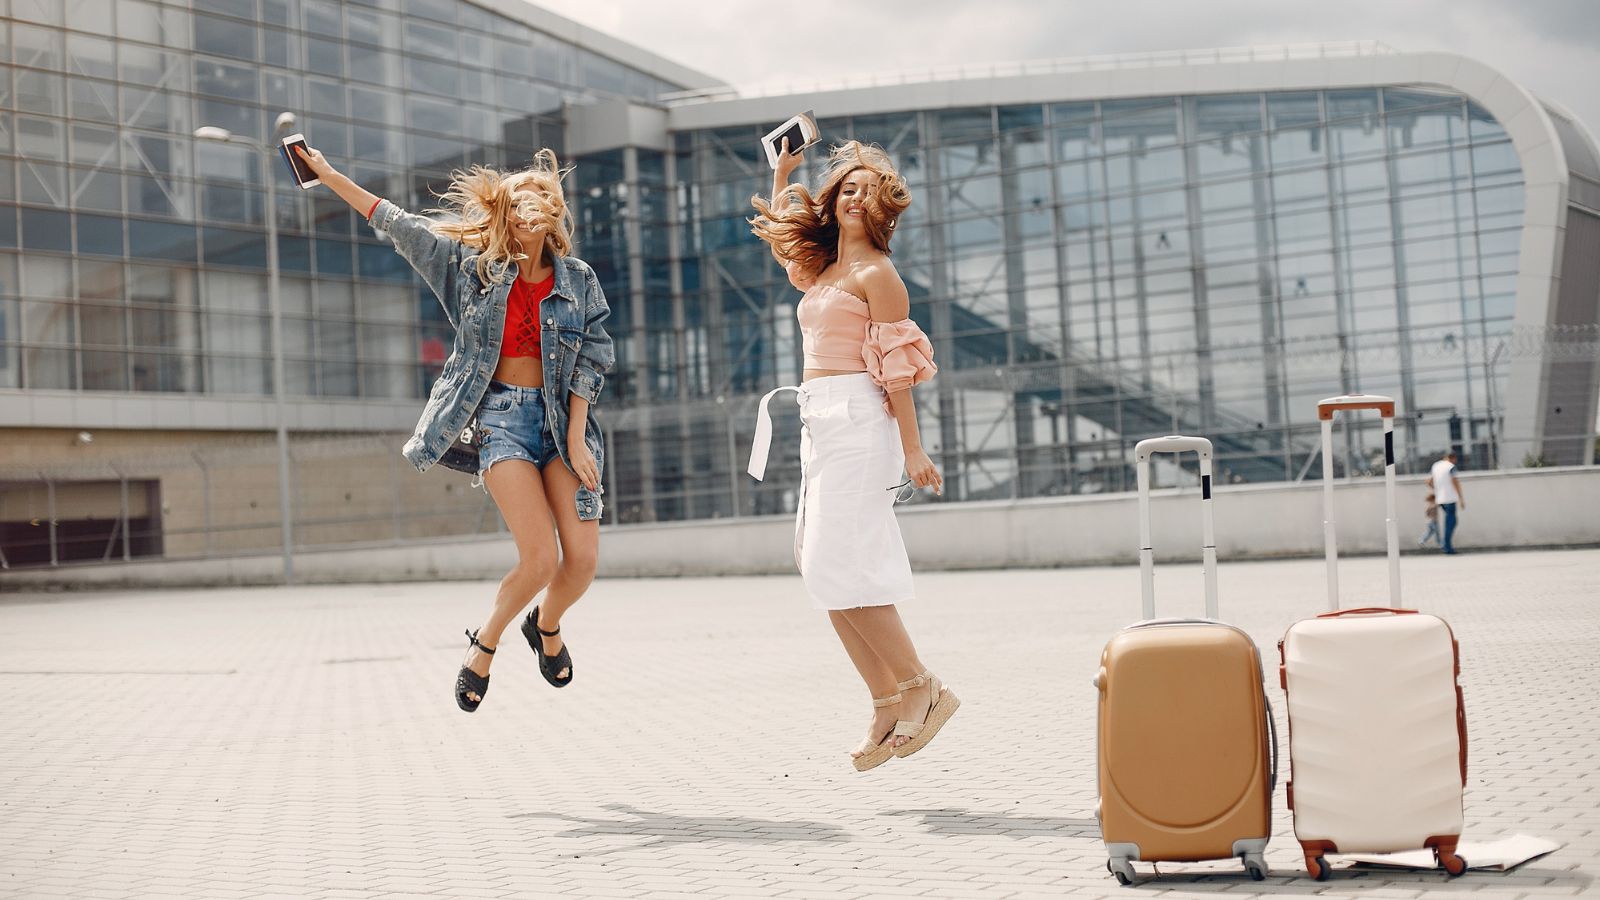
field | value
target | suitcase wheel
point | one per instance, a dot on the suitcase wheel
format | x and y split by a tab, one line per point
1256	867
1317	867
1453	864
1122	869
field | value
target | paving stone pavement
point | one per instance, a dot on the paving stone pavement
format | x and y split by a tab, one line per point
304	742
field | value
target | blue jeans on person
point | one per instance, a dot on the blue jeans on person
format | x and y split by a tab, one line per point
1431	533
1449	525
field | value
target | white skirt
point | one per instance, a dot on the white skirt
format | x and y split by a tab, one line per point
847	543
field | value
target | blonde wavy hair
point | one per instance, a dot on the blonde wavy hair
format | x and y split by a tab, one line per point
800	226
480	202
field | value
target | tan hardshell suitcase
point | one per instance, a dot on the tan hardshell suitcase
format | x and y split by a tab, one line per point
1187	758
1377	727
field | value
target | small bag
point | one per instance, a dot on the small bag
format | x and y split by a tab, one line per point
462	454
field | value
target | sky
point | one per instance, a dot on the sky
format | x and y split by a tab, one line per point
1551	47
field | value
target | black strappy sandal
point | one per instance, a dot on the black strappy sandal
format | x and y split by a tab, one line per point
548	665
470	682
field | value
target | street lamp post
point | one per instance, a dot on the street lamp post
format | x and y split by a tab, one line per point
285	121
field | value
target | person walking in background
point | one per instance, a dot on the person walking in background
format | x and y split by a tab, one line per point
526	310
1432	531
1447	492
863	354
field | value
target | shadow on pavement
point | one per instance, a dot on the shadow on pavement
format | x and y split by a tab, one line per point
1360	879
667	828
961	821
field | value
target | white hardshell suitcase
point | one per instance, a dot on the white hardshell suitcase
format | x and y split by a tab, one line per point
1377	732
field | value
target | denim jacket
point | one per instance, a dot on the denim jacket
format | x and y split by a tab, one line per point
576	350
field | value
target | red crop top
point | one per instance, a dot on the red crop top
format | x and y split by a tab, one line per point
522	316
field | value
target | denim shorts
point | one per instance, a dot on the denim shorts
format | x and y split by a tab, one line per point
514	419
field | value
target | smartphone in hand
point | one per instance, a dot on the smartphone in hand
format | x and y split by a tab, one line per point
298	168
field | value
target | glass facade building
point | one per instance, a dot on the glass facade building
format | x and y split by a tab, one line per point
133	257
1093	273
1096	260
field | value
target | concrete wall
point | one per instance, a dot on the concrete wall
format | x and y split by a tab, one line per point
1523	508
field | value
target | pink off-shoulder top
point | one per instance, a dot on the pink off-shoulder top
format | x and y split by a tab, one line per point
838	333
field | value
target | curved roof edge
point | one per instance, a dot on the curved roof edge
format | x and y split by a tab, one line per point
535	16
1519	112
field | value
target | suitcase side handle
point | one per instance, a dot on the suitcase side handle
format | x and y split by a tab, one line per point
1175	443
1325	412
1366	610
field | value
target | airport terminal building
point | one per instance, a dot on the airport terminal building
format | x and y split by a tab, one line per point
1102	250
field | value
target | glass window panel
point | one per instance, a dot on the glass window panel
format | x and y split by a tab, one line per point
325	57
281	48
325	97
432	115
40	92
230	203
281	90
1415	128
1353	130
156	110
321	17
99	235
46	229
234	247
228	38
150	23
430	39
1481	125
1230	157
1227	114
333	257
434	77
1306	186
94	146
243	121
39	48
1139	124
599	73
372	26
91	56
149	239
226	80
94	101
1353	180
438	10
965	125
229	162
554	60
385	107
332	138
41	139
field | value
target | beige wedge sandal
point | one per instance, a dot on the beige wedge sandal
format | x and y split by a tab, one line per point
943	706
884	749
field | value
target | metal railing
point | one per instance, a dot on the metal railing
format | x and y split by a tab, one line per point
1018	68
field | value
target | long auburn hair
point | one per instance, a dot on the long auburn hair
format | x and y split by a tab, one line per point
800	227
480	201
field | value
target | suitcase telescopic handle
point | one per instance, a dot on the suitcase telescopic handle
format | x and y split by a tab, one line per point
1325	412
1175	443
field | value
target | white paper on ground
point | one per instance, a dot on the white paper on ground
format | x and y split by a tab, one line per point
1498	853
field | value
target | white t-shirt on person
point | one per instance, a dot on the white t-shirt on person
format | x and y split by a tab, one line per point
1444	485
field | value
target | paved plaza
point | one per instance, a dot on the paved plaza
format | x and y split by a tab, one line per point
304	742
